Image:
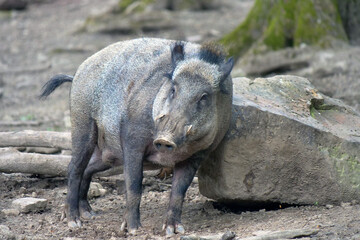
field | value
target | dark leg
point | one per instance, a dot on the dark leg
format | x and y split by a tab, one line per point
183	175
133	172
96	164
83	144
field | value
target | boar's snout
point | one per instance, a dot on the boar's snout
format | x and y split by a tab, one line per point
164	145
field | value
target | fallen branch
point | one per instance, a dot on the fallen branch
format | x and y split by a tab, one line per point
13	161
287	234
29	138
20	124
22	70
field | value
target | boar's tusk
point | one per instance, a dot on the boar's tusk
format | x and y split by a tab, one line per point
188	131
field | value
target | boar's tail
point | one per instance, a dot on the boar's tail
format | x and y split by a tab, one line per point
53	83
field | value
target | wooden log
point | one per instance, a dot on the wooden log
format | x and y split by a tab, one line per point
29	138
13	161
20	124
287	234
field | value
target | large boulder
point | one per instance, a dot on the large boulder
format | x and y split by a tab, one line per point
288	143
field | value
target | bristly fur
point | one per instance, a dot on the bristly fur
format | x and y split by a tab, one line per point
212	52
53	83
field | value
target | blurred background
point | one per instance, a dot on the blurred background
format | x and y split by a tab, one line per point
316	39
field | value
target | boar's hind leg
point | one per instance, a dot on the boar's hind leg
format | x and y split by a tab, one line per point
95	165
84	137
133	172
183	175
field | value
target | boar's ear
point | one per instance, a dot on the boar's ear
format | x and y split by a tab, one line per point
225	69
177	53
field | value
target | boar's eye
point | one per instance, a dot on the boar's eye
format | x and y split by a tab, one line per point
172	92
203	100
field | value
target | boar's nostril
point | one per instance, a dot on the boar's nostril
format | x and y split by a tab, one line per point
170	147
163	145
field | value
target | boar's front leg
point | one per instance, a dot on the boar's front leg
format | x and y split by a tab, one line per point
133	173
183	175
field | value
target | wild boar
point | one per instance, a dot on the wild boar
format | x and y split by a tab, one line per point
163	101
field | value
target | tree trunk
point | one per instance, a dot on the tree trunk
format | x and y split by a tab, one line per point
13	161
349	12
276	24
29	138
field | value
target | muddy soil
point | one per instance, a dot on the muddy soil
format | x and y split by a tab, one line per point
40	42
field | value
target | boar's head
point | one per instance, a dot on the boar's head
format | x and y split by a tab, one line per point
192	110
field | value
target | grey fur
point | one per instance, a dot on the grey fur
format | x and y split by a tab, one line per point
126	110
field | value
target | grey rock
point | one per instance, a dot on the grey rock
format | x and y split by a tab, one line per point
287	143
284	60
30	204
332	71
11	212
229	235
5	233
112	23
96	190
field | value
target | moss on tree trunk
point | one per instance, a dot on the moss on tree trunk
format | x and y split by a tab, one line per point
276	24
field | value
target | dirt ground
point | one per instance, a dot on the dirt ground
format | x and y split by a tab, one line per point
40	42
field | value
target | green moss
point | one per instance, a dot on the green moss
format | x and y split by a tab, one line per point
5	14
318	25
241	38
312	111
138	5
276	24
347	166
279	32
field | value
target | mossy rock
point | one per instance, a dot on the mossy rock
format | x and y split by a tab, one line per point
277	24
287	143
132	6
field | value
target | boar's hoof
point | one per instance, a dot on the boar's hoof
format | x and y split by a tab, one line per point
180	229
171	230
86	211
87	215
131	231
74	223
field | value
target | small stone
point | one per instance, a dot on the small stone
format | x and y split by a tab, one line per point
11	212
34	194
345	204
5	233
195	38
229	235
22	190
96	190
29	204
329	206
